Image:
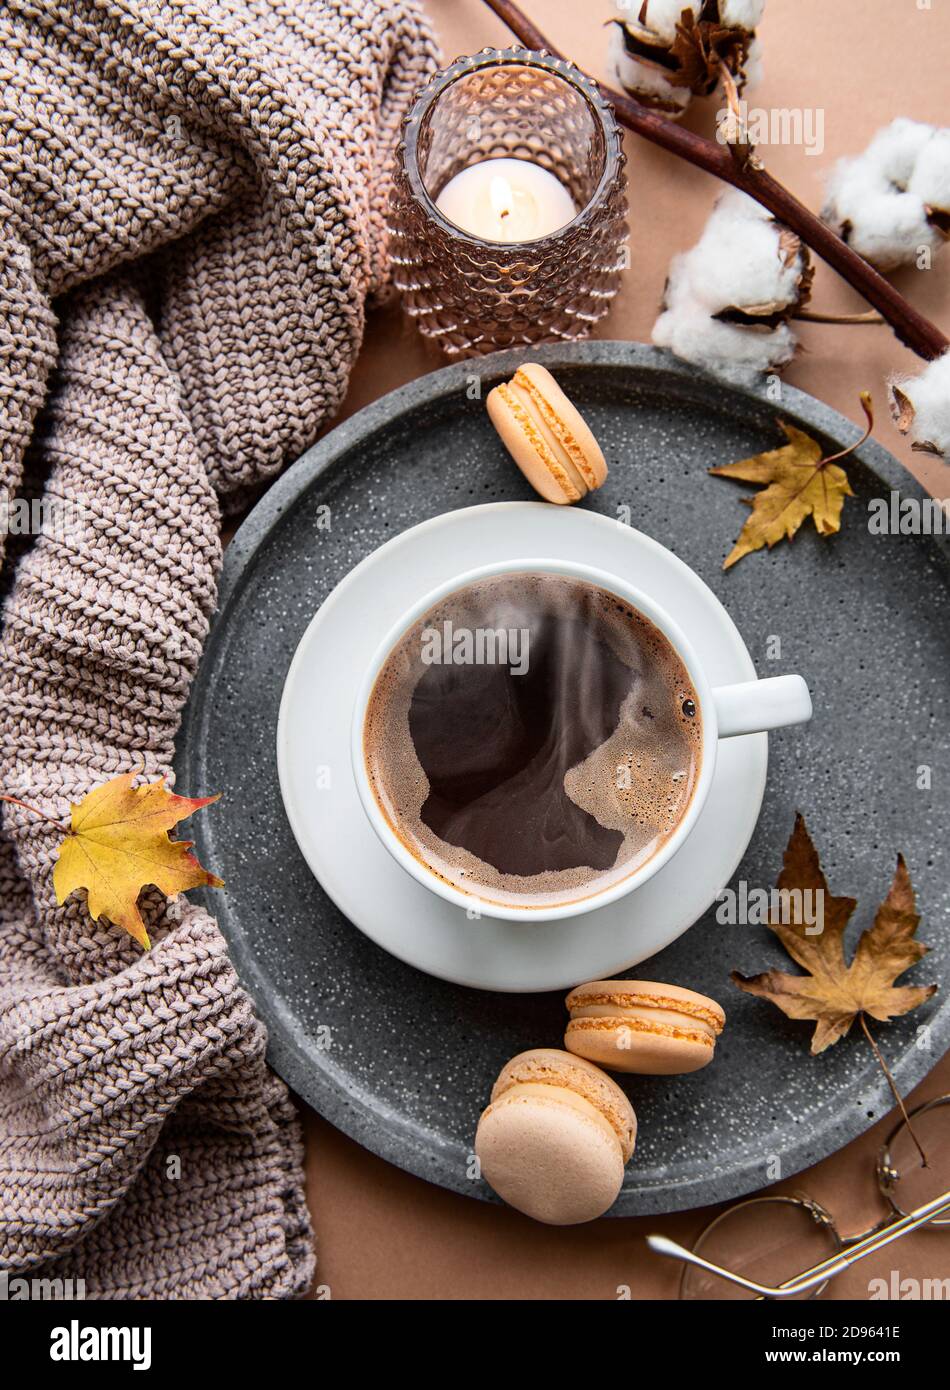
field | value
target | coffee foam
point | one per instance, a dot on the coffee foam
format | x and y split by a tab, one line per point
637	782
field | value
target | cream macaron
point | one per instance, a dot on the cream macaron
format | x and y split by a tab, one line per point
554	1140
546	435
639	1026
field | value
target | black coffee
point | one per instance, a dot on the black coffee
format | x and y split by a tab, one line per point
533	739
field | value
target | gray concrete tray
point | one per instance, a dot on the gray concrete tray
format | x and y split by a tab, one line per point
864	617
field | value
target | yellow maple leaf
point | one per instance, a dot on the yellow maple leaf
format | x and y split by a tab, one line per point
801	483
118	842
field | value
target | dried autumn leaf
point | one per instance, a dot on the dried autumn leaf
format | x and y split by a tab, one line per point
118	843
834	993
800	483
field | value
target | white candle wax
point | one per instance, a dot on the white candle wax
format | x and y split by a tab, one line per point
506	200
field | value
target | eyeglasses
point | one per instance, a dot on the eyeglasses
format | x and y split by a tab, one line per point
754	1248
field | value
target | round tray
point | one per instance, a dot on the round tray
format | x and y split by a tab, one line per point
403	1062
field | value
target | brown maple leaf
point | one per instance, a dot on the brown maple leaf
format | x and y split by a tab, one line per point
833	993
800	483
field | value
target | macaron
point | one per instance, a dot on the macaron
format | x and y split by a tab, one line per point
546	435
554	1140
639	1026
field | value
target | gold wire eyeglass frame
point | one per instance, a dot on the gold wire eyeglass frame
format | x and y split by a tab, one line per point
847	1250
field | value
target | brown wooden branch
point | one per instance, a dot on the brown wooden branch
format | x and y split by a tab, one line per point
911	327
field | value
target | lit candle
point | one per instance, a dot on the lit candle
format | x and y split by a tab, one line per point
507	200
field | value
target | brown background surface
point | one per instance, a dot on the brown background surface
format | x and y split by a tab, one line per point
380	1232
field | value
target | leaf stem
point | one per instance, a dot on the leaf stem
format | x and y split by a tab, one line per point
15	801
893	1085
866	406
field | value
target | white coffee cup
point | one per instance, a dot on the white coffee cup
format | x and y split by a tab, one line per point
726	711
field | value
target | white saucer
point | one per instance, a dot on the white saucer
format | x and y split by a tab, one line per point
343	851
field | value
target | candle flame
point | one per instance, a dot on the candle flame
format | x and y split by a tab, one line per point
500	195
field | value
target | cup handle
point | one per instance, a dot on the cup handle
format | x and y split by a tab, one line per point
753	706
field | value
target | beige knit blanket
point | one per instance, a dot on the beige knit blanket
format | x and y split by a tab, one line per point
191	198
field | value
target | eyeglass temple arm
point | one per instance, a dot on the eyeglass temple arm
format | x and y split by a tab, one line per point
663	1246
809	1278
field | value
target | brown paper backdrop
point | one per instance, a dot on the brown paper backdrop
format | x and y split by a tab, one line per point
381	1233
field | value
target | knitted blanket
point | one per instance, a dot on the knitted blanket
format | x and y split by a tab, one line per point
191	201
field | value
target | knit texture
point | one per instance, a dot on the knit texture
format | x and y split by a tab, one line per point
191	201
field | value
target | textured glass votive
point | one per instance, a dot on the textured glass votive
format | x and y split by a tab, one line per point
473	294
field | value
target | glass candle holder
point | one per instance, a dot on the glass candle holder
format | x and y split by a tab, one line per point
465	289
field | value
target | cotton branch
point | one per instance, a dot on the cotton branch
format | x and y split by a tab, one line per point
911	327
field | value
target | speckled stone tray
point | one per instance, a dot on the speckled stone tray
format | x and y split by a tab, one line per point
865	618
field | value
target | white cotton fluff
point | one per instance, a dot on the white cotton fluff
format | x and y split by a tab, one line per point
880	199
736	354
736	263
897	147
929	396
754	66
644	78
659	16
741	14
930	181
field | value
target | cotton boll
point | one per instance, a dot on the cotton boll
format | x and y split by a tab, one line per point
663	62
921	407
727	298
885	226
894	199
738	261
737	354
645	79
741	14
